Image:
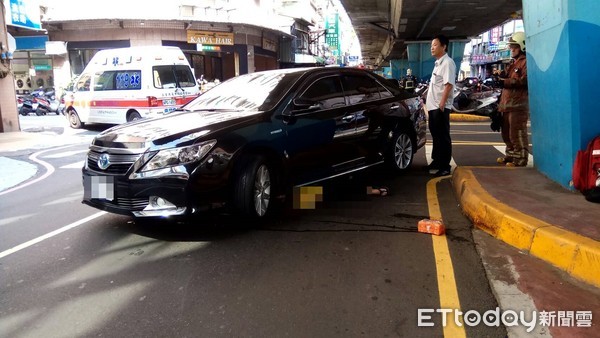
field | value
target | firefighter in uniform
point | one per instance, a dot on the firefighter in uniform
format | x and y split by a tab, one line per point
514	105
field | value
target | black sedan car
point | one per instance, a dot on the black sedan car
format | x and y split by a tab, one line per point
251	139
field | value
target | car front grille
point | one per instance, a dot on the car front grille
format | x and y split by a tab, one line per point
119	163
132	203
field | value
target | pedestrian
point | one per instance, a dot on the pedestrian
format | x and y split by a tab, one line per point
409	81
439	105
514	105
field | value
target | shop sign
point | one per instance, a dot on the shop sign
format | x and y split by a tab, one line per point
209	38
203	48
332	31
42	67
56	48
24	14
269	45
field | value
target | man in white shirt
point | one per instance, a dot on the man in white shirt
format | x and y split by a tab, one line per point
439	105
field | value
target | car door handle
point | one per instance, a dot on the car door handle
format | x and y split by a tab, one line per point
348	118
394	107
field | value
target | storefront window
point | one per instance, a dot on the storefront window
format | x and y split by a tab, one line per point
32	69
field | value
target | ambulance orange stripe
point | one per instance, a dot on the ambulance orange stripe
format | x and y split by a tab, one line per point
130	103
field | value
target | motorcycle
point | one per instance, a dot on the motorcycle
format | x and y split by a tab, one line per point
53	101
40	102
478	99
421	89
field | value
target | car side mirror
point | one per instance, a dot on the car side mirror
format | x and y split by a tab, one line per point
305	105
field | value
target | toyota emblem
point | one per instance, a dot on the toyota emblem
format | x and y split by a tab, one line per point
103	161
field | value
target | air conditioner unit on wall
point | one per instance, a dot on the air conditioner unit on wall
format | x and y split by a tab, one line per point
22	83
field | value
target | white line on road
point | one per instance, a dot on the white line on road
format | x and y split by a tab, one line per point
66	153
502	150
50	234
76	165
49	169
429	149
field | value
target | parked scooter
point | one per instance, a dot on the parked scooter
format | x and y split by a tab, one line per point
421	90
475	99
40	102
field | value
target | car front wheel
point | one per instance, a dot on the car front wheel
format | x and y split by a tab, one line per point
74	120
401	151
253	188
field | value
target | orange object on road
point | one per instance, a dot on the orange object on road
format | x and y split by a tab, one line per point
430	226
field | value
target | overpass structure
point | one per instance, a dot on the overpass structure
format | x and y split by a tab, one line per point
563	44
385	28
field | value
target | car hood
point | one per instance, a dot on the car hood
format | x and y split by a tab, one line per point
171	130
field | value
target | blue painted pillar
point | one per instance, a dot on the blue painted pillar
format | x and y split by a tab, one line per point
563	47
421	62
399	67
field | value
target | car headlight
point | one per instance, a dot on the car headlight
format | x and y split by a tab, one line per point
178	156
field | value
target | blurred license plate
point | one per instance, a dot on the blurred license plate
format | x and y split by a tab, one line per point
99	187
169	102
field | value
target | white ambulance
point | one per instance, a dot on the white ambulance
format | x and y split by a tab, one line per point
126	84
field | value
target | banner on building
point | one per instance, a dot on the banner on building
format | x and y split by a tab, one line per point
209	38
332	31
23	14
56	48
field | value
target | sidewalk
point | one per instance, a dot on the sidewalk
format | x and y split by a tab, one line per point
525	209
14	172
38	139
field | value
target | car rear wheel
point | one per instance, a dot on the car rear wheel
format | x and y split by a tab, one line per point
74	120
133	116
253	188
401	151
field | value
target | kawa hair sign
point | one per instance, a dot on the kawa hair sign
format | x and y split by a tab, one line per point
209	38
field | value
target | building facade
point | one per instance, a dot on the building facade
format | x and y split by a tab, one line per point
489	52
220	38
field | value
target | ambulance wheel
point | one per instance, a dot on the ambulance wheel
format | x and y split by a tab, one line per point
133	116
74	120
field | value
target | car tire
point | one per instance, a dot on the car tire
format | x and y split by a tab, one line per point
74	120
401	151
134	116
253	187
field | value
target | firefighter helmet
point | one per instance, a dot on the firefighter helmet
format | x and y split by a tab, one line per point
518	38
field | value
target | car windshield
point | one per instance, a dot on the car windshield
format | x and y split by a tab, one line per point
256	91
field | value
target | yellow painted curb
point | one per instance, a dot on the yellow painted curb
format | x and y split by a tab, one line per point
455	117
577	255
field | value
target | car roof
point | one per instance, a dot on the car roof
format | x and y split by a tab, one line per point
308	70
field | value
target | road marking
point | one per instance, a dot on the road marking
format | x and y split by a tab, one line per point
50	234
502	150
443	263
49	169
472	132
66	153
429	149
76	165
476	143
